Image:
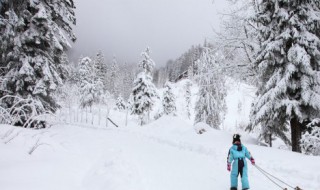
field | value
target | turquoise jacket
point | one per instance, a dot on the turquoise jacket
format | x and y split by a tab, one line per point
236	156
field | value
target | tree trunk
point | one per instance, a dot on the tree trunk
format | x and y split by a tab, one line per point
141	119
270	139
295	134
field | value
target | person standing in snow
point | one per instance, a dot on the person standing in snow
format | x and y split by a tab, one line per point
236	156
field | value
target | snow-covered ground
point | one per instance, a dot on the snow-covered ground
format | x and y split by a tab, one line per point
166	154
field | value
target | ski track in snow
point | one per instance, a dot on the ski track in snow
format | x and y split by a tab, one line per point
139	158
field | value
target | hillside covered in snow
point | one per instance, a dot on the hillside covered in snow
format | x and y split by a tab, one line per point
164	154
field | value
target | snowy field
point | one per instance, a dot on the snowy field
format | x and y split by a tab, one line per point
166	154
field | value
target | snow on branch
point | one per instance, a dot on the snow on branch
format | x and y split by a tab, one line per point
23	112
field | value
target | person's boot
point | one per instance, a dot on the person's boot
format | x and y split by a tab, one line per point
245	189
233	188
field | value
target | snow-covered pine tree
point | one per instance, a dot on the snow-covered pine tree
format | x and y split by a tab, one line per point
147	64
310	141
100	67
120	103
141	98
190	72
85	72
211	105
86	82
87	94
100	95
169	100
113	78
188	97
100	72
143	92
288	66
32	42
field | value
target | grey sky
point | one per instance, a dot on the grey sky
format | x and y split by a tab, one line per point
126	27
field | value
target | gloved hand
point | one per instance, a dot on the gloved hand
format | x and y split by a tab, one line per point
252	161
229	167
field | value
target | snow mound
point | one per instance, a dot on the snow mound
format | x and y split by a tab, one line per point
201	127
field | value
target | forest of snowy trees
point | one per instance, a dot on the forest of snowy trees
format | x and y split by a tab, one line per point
273	45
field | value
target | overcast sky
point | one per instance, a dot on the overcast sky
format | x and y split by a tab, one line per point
126	27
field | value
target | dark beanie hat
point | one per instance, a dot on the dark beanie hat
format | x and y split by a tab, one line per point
236	137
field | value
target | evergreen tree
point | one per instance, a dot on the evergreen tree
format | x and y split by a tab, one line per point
100	67
147	64
141	98
32	46
86	85
99	79
120	103
288	66
90	84
310	141
190	72
188	97
87	94
142	94
169	100
100	94
211	105
23	41
114	76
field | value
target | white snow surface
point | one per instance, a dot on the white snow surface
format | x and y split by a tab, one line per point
166	154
